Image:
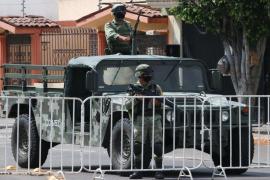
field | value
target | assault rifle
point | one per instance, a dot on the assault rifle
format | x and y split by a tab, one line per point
137	89
133	35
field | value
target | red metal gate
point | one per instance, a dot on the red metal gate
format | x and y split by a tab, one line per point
18	49
59	46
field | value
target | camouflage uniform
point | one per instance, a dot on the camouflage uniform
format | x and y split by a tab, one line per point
112	30
115	28
143	126
148	116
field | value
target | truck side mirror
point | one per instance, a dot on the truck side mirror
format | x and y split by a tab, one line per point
91	81
216	79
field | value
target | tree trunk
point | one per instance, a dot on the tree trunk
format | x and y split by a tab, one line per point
246	63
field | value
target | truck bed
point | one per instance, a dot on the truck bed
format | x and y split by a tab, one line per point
31	79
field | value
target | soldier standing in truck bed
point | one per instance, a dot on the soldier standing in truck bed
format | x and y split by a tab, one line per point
118	32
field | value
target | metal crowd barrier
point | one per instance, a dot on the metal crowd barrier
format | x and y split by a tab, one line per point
246	141
41	134
114	130
227	133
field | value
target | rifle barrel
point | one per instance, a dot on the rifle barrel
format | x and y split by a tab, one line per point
133	45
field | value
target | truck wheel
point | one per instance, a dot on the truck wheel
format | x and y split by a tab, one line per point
245	157
125	160
23	144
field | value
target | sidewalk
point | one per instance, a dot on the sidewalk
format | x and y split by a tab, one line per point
262	135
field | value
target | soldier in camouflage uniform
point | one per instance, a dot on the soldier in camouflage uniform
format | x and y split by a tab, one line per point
144	74
118	32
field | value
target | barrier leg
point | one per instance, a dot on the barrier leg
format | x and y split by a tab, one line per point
183	174
219	171
99	174
60	175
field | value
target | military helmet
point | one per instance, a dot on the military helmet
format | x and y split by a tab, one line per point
118	8
143	70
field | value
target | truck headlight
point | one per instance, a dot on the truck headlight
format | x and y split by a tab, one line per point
224	116
170	116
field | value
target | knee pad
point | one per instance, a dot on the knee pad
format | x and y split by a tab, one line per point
158	149
137	148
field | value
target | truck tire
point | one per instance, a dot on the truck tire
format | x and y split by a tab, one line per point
117	160
23	124
246	158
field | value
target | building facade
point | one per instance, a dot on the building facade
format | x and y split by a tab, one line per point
75	9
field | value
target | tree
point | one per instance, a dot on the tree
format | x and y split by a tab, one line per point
243	26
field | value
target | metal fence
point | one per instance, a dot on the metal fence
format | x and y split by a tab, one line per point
242	139
116	126
103	132
60	45
151	45
34	134
18	49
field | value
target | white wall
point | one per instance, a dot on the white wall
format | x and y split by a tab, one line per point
46	8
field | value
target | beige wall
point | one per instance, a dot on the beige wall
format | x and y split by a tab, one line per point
175	32
118	1
75	9
174	26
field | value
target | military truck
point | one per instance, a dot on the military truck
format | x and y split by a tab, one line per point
108	77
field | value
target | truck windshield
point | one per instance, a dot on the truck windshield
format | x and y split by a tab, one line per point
181	78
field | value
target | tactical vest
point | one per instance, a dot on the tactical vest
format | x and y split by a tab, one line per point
148	107
116	46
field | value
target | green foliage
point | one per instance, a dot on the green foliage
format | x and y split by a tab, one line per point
227	17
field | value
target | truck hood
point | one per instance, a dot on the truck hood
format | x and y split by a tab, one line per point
213	100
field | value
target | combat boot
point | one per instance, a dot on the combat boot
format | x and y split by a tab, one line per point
136	174
159	174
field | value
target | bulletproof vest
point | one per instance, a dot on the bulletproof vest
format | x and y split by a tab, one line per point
151	90
116	46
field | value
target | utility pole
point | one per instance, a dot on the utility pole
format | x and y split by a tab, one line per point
99	4
23	8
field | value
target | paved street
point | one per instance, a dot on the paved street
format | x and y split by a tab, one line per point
71	162
198	174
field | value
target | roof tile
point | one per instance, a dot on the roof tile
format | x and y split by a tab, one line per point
29	21
146	11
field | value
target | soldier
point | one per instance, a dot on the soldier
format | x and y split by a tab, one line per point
118	32
144	74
